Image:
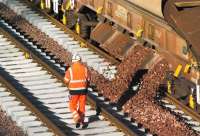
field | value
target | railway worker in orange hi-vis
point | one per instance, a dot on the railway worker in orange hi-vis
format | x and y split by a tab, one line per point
77	77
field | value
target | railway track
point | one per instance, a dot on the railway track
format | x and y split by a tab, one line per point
22	112
103	98
185	114
52	98
97	62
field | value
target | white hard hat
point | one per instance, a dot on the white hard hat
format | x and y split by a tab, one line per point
76	58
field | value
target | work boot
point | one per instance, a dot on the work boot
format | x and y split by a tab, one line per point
78	125
84	125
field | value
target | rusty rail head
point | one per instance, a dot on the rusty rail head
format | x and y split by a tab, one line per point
5	79
9	82
185	109
105	112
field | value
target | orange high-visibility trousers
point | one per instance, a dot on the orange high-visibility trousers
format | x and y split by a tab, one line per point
77	107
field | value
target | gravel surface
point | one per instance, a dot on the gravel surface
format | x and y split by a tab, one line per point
144	109
126	70
142	106
8	127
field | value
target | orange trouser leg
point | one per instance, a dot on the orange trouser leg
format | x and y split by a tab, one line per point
73	107
82	102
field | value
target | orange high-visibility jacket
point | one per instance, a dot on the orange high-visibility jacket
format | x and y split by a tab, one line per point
77	76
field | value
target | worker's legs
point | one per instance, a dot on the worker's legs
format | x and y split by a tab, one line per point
73	107
48	4
55	6
51	6
81	110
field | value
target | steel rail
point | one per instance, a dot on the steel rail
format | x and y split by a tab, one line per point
7	81
122	124
183	107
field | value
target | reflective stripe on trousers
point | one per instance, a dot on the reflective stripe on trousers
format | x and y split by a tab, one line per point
76	117
75	108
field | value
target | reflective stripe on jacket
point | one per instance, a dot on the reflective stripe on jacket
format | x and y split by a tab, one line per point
77	77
